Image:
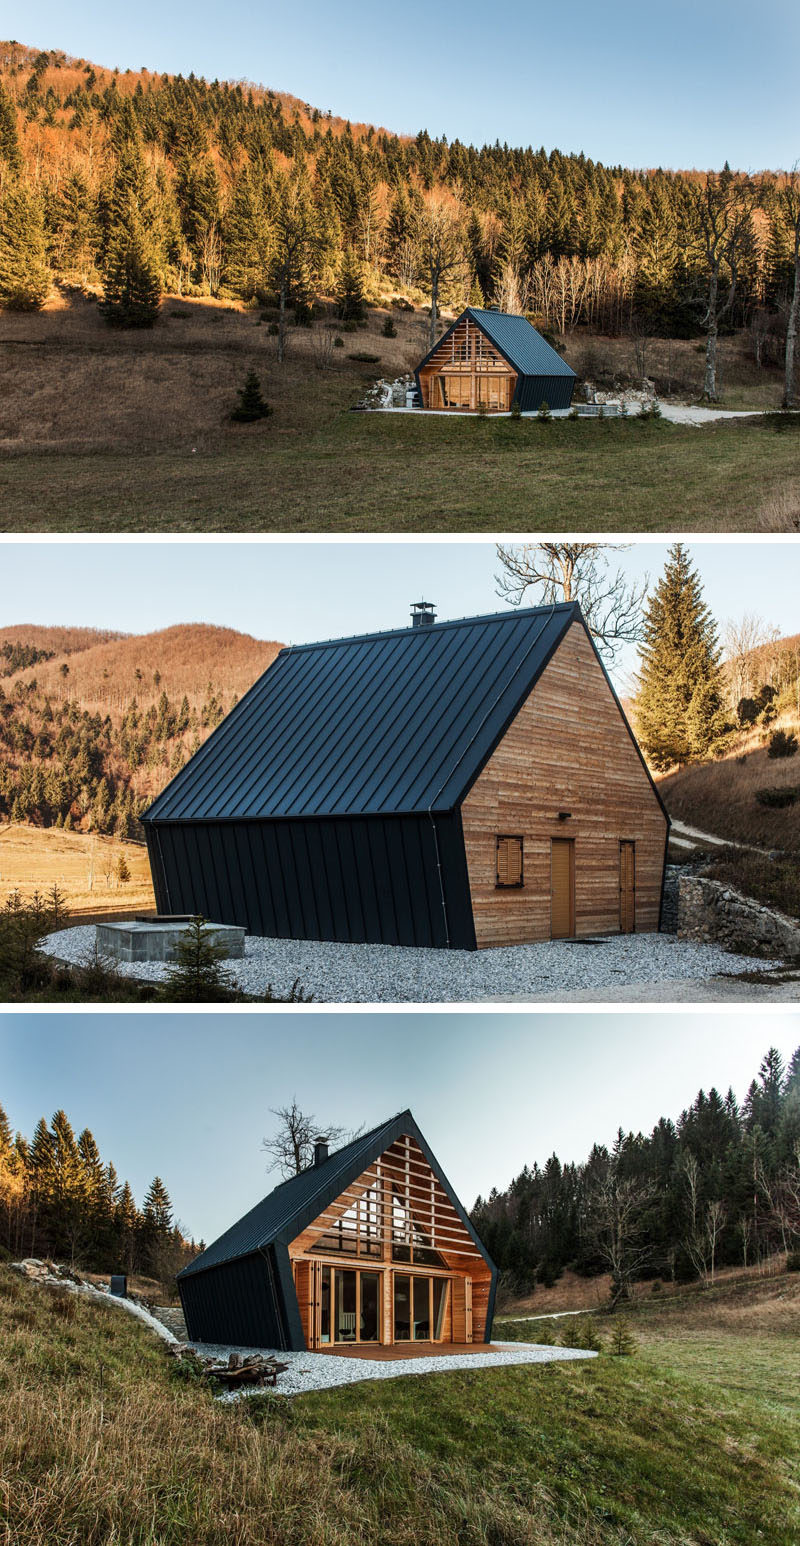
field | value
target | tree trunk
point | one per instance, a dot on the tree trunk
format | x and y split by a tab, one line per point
710	384
791	396
282	322
434	305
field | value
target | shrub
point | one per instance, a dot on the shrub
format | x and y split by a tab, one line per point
273	330
338	343
793	1261
365	359
544	411
581	1331
389	330
516	411
782	744
777	798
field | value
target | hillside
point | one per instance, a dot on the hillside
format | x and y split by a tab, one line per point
89	737
101	1440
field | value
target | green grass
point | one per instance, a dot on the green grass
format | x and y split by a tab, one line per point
382	473
692	1441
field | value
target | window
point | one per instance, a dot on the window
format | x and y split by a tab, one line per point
509	862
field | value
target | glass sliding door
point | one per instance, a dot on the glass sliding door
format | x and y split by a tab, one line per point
440	1291
325	1305
402	1308
421	1328
370	1307
345	1300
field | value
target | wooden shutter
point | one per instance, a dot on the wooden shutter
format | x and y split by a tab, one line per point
509	861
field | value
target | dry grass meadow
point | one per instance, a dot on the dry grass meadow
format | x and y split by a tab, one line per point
720	797
82	864
691	1441
118	431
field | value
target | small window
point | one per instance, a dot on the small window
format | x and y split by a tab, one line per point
509	862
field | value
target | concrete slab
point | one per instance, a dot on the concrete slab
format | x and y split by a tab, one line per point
156	941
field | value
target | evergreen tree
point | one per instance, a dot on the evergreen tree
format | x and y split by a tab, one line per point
131	279
196	976
251	405
10	153
24	277
679	700
350	302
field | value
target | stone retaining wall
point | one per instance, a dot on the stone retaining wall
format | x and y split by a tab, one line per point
708	910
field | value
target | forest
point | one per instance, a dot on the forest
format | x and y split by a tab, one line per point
718	1187
60	1199
133	185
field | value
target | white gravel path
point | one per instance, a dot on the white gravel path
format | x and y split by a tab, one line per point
321	1371
387	974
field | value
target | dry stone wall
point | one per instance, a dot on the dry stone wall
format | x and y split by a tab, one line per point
710	911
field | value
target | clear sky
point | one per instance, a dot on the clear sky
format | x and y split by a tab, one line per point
679	85
298	592
188	1096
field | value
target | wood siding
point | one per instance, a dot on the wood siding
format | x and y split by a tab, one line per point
401	1174
467	371
568	750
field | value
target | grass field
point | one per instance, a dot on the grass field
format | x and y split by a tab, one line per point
130	432
692	1441
82	864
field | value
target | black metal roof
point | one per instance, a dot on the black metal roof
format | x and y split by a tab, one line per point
285	1212
393	723
517	340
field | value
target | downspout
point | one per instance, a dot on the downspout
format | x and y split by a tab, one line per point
473	737
165	882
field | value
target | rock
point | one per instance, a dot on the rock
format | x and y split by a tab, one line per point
708	910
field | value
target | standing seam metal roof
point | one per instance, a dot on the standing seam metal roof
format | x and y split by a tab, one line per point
381	724
517	339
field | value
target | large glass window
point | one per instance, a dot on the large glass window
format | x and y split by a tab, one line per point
325	1306
402	1308
422	1309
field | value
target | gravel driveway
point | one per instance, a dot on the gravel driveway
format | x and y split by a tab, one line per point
553	971
320	1371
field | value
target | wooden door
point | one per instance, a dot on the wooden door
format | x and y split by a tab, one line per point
562	888
627	887
462	1309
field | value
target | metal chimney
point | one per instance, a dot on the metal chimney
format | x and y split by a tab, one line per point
423	614
320	1151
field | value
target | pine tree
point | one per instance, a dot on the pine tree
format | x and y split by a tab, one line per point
196	976
679	701
350	302
131	278
24	277
10	153
251	405
622	1343
157	1211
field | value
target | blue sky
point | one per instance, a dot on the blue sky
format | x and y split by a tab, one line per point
675	85
297	592
188	1096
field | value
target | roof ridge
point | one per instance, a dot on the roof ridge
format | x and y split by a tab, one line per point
450	622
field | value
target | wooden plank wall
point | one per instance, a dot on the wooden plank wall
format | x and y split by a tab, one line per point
469	354
567	750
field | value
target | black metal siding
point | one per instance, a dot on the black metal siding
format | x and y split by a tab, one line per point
532	391
374	880
240	1304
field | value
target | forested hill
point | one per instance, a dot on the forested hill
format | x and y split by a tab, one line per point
230	190
718	1186
88	735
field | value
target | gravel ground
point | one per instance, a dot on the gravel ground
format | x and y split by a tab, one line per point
321	1371
387	974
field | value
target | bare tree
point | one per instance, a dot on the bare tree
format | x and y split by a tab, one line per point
705	1223
291	1147
576	571
723	208
617	1226
789	200
441	246
742	638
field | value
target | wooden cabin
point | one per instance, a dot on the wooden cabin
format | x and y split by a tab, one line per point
489	360
367	1248
456	784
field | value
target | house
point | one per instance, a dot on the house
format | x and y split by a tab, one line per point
369	1246
449	784
490	360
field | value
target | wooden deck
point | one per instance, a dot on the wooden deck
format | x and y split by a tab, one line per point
377	1351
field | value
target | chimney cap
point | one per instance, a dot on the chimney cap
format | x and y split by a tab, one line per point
320	1150
423	614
